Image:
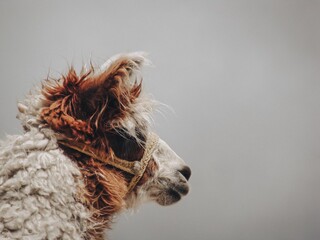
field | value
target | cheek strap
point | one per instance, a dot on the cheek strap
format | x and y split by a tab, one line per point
136	168
150	147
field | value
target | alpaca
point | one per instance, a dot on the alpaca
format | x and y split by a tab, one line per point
86	154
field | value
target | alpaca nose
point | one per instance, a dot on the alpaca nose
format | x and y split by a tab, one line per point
186	172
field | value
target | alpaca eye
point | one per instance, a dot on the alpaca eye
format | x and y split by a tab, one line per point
125	146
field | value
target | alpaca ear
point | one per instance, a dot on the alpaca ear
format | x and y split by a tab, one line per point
118	71
114	86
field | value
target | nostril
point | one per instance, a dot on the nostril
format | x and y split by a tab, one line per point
186	172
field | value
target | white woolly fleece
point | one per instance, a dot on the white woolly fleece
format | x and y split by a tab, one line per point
38	185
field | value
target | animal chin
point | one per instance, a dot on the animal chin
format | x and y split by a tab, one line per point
169	197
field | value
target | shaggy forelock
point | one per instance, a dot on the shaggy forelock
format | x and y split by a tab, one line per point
64	93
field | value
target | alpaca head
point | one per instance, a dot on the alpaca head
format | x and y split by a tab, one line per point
104	109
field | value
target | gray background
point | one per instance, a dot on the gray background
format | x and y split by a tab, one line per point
243	79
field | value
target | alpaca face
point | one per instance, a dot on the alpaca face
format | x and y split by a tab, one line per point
105	110
169	181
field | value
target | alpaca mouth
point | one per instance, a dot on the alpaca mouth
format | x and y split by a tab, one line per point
182	189
172	195
169	197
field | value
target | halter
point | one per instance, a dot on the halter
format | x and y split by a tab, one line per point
136	168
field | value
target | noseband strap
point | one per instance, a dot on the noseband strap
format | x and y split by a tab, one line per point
136	168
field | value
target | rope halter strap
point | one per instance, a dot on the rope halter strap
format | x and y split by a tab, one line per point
136	168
